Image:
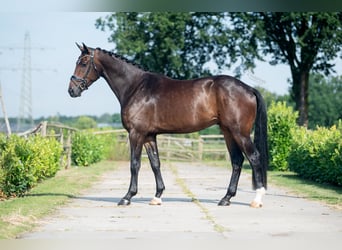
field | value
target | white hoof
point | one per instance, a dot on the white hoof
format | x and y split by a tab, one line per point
156	201
257	202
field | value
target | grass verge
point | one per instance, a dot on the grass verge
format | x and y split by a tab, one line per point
19	215
324	193
290	181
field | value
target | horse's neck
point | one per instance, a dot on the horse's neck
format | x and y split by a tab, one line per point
121	77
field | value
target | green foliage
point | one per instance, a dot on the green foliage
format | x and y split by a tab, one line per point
24	162
46	154
212	130
114	146
85	122
306	41
316	154
313	154
325	102
270	97
86	149
281	120
175	44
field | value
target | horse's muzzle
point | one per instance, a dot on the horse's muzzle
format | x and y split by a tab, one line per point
74	91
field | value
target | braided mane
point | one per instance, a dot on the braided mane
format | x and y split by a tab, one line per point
121	58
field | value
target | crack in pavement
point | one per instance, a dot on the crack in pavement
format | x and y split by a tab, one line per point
181	182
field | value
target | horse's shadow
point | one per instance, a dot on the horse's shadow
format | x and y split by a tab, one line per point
144	200
138	200
166	200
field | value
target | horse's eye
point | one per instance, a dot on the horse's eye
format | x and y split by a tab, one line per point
81	63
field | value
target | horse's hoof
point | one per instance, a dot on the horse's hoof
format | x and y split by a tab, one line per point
255	204
124	202
224	202
156	201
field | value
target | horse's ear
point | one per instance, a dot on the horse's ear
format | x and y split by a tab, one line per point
79	46
85	49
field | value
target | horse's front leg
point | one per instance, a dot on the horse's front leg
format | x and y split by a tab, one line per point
136	146
153	156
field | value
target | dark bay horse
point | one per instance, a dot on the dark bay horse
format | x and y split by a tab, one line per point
153	104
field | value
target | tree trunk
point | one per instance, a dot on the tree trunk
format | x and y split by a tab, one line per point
300	93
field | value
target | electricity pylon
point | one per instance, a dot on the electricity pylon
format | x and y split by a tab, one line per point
25	116
25	107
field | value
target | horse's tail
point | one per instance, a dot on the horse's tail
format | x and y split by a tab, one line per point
260	137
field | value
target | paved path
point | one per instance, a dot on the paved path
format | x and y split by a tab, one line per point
189	210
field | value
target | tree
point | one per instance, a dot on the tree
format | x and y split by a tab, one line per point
307	42
175	44
85	122
325	103
181	45
270	97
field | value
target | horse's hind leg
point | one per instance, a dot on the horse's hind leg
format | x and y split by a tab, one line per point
253	157
236	160
153	156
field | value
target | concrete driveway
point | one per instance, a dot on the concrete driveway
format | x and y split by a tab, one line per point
189	211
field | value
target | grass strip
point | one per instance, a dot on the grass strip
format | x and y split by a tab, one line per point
19	215
325	193
290	181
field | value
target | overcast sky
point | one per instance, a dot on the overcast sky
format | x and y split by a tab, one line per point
57	33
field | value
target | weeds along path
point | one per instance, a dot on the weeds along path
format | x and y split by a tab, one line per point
189	210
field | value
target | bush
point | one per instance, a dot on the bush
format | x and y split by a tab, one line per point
46	155
316	155
24	162
86	149
281	120
115	146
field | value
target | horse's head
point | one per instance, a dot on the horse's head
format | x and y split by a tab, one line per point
85	72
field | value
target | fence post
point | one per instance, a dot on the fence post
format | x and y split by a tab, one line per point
200	148
168	153
68	150
44	128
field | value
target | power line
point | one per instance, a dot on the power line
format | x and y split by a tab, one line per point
25	116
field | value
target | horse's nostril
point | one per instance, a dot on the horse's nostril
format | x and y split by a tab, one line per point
71	92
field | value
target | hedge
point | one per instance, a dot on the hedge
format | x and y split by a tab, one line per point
316	154
281	121
313	154
86	148
25	162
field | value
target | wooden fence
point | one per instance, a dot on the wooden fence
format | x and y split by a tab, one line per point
205	147
181	147
171	147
